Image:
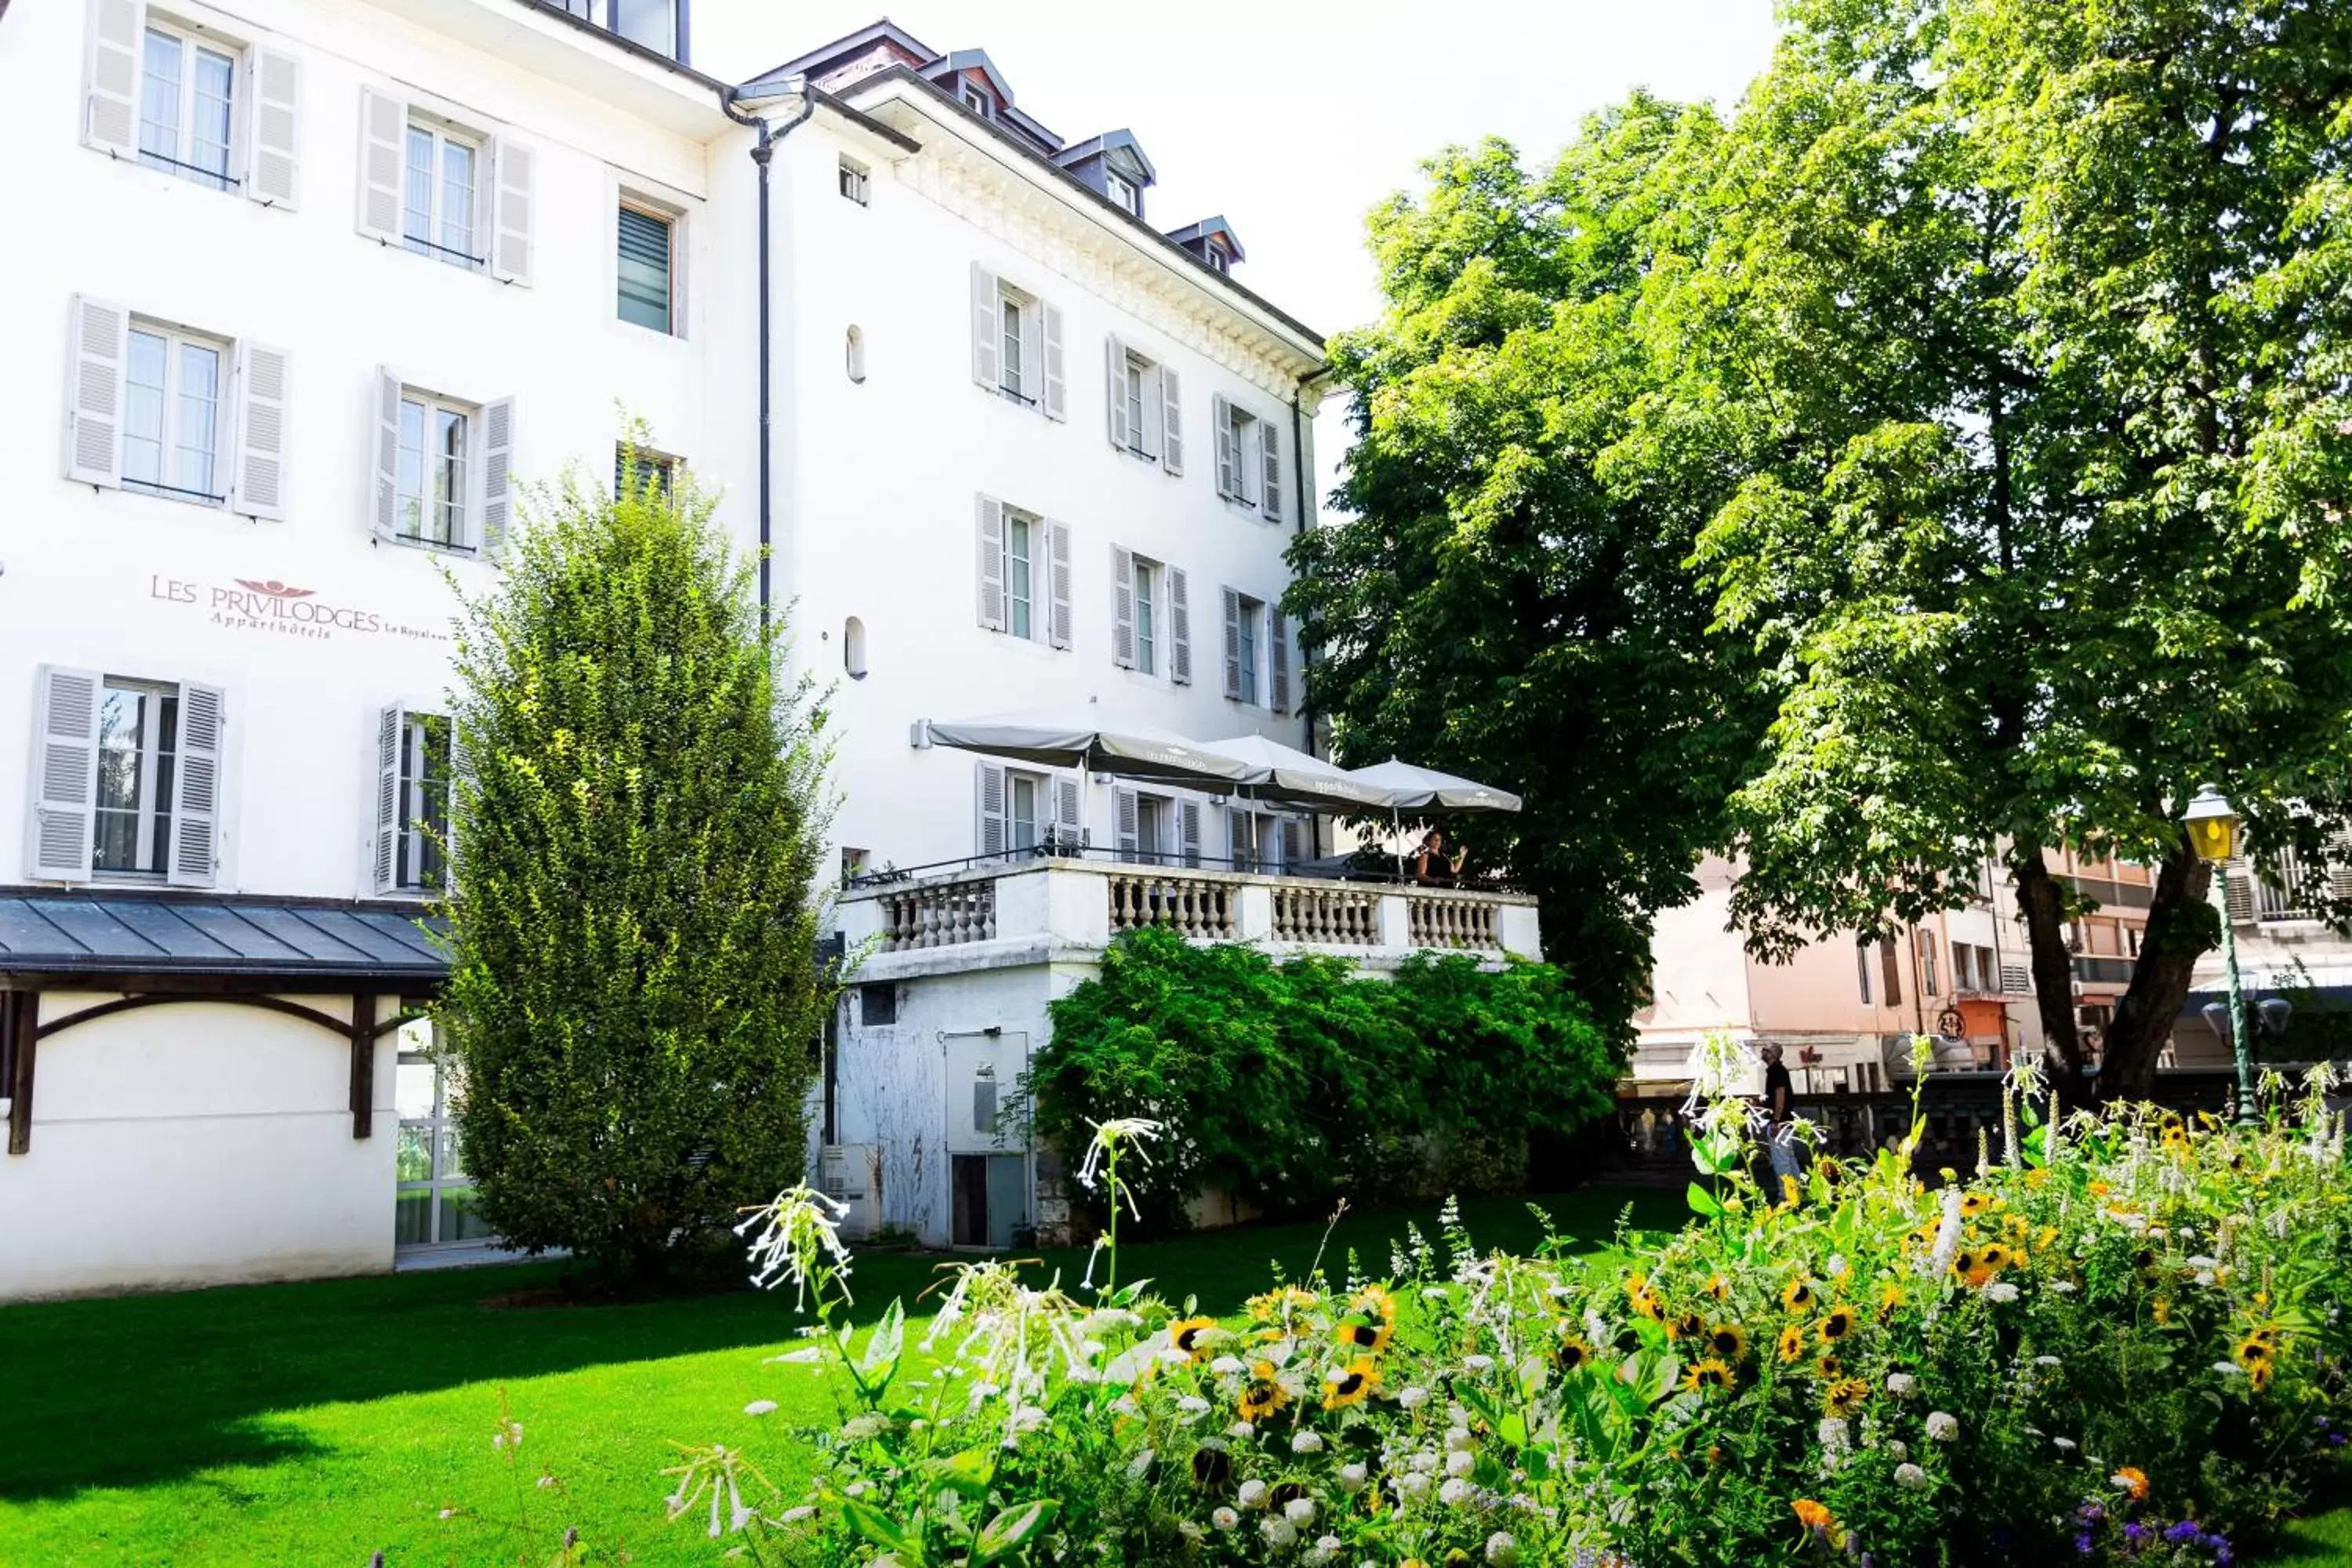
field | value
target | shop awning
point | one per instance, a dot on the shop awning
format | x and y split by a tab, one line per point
96	935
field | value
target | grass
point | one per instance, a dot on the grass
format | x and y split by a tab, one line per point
314	1424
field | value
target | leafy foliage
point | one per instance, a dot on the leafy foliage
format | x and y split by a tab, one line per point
1288	1083
633	993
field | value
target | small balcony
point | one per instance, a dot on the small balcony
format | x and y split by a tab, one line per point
1006	914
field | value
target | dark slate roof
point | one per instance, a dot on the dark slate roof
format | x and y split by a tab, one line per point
106	931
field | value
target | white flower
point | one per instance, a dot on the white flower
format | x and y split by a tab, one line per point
2201	1261
2002	1291
1352	1477
1910	1477
1252	1495
1413	1398
1461	1462
858	1428
1190	1531
2229	1369
761	1407
1224	1518
1421	1463
1227	1366
1478	1364
1898	1451
1457	1438
1299	1510
1836	1267
1456	1492
1193	1404
1241	1431
1502	1552
794	1515
2047	1361
1125	1405
2063	1445
1325	1550
1902	1385
1411	1484
1278	1532
1942	1428
1138	1464
2205	1277
1307	1443
1835	1435
2062	1286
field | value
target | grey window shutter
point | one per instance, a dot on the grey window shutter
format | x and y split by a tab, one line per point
1180	626
992	562
196	793
1115	390
984	367
2339	868
100	331
1130	828
990	780
1240	844
258	482
383	498
1234	649
1057	388
1122	607
390	726
513	166
1294	843
2242	892
1171	423
463	787
1057	547
383	157
273	159
1228	459
64	778
498	482
1069	825
1188	831
110	117
1269	442
1278	643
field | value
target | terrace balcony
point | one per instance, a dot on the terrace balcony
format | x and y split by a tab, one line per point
1007	913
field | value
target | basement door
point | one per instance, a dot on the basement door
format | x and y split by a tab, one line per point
989	1182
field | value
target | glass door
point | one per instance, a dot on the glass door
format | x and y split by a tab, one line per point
434	1205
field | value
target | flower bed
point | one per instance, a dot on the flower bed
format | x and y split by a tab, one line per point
2120	1345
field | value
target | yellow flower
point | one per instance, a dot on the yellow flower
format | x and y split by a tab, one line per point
1793	1342
1789	1192
1185	1335
1572	1353
1279	1303
2161	1311
1838	1323
1890	1300
1974	1204
1350	1384
1845	1396
1828	1369
2258	1375
1812	1515
1689	1326
1646	1305
1262	1398
2132	1480
1709	1373
1728	1340
1719	1289
1797	1295
1371	1321
2256	1349
2037	1177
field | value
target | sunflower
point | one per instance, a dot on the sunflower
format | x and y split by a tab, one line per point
1793	1342
1839	1323
1828	1369
1351	1384
2258	1375
1371	1321
1213	1465
1926	1234
1890	1301
1728	1340
1709	1373
2161	1311
1969	1263
1276	1305
1974	1204
1572	1353
1262	1398
1997	1256
2255	1348
1719	1289
1689	1326
1797	1295
1646	1305
1184	1333
1845	1396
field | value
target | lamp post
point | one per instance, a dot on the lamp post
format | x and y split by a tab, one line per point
2214	834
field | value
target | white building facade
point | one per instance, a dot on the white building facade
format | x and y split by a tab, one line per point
338	278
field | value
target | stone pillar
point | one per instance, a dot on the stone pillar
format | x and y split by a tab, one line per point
1395	922
1254	912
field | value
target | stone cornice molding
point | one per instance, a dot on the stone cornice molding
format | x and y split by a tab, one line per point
989	189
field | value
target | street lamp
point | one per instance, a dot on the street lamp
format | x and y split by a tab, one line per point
2214	834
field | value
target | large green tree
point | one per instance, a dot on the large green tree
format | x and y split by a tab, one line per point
2043	306
1510	601
634	1002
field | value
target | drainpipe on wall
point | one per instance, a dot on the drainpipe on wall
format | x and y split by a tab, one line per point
1298	469
762	154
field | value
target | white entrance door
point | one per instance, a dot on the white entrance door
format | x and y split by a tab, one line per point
434	1204
988	1183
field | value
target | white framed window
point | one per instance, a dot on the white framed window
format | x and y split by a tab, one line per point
659	470
1250	629
1024	574
441	194
856	181
1013	330
1122	192
1154	843
1024	812
187	101
1020	574
644	268
1145	404
436	448
1016	345
415	789
1257	653
433	1204
174	387
138	740
1249	458
1158	829
1028	813
976	99
1263	840
1215	258
1152	620
127	776
1146	583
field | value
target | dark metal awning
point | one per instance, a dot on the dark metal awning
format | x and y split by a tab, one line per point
94	935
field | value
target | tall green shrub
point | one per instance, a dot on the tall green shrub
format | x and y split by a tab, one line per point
632	1001
1288	1083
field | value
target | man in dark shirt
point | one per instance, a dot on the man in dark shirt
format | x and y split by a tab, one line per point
1781	1136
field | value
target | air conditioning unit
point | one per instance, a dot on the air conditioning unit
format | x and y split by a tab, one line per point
847	1173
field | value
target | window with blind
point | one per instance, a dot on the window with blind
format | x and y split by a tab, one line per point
647	295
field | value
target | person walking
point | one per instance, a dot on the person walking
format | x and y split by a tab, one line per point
1780	1131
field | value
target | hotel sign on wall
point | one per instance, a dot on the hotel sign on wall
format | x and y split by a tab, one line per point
270	607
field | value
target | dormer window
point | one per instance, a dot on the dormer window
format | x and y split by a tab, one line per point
976	99
1215	258
1122	192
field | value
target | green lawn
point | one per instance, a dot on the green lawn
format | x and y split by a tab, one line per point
314	1424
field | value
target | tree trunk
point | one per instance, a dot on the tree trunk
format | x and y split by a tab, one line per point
2043	904
2180	928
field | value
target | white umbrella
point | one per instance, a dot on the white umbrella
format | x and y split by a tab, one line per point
1295	778
1079	737
1416	789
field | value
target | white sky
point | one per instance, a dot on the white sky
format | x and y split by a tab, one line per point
1293	117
